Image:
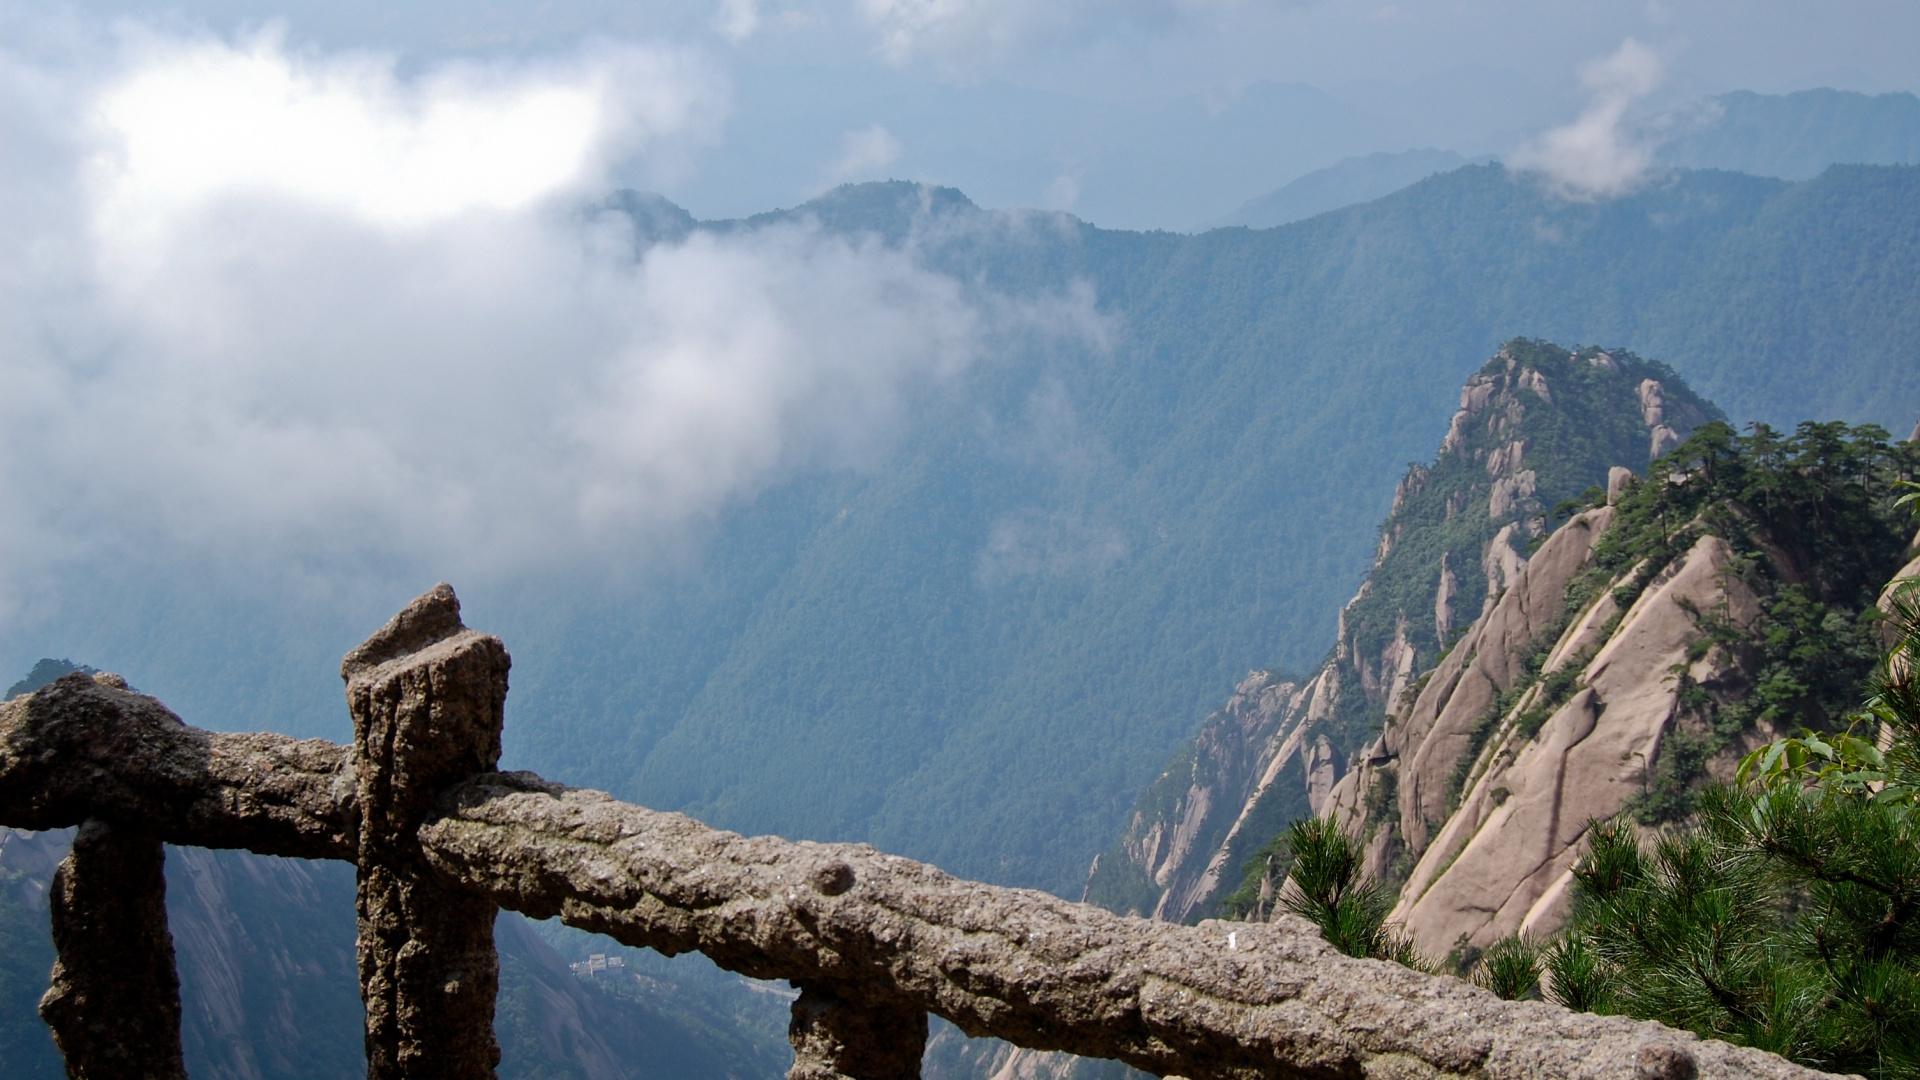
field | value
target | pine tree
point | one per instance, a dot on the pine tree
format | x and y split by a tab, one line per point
1787	917
1325	887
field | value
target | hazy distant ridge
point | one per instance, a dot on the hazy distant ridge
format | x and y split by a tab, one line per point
1793	137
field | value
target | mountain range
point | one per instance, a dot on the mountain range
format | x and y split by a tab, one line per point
1789	136
979	647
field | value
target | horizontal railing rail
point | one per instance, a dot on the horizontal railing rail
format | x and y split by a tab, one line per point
874	942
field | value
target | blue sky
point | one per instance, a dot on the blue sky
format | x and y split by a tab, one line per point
1131	113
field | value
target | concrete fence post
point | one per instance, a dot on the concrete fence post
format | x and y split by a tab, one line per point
114	1006
427	697
836	1038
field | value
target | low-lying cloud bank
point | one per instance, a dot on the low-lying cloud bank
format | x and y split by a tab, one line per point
967	34
1600	155
280	306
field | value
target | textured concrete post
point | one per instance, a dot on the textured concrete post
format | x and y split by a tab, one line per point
427	696
838	1039
115	1002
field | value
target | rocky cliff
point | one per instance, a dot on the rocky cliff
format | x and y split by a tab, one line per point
1643	650
1537	426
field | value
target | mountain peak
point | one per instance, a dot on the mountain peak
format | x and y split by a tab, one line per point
1538	425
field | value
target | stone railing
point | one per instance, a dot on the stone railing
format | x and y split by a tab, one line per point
873	942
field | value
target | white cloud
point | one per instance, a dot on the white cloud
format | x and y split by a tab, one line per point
1598	155
1063	192
970	33
864	154
295	309
1033	544
185	124
737	20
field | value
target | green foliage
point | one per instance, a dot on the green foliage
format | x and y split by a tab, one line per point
1383	795
1510	968
1672	777
1477	738
1788	917
1851	763
1819	503
1815	526
1325	887
1556	687
1581	979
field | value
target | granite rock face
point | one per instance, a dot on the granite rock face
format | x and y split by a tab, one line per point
1537	425
1502	862
1428	738
1178	846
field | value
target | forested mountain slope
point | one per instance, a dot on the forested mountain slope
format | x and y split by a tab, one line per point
1794	136
978	646
980	659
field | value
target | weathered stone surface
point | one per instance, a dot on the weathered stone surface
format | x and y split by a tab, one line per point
87	747
115	1002
1431	736
1220	1000
1504	859
428	698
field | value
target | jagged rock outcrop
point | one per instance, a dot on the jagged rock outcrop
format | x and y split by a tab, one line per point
1245	759
1536	426
1619	670
1500	862
1412	765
